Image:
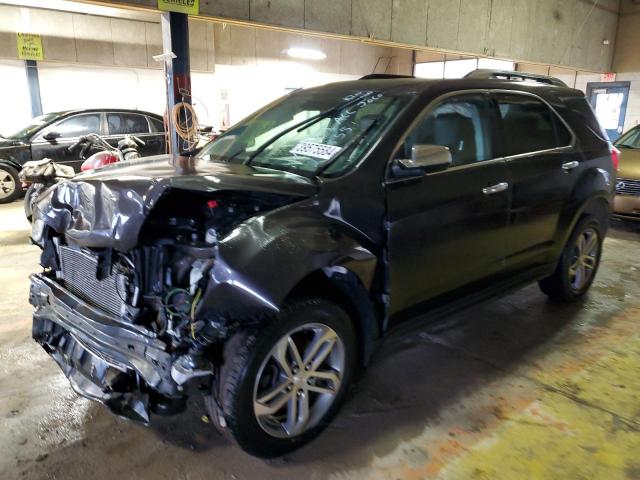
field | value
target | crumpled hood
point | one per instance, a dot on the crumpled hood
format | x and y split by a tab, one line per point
107	207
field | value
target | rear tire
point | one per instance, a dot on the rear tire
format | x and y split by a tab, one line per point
268	411
578	263
10	186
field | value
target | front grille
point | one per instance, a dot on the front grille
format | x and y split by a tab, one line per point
79	269
627	186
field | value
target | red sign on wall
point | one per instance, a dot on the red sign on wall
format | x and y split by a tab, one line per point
608	77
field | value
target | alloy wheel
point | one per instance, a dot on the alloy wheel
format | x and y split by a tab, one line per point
7	184
299	380
584	259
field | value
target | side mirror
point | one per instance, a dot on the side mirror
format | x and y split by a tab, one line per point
52	135
432	157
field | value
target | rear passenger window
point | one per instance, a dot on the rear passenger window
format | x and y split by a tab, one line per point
127	124
529	125
461	124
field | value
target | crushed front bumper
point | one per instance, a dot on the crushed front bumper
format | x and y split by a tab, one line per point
105	359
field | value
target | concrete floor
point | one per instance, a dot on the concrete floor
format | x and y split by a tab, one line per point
515	388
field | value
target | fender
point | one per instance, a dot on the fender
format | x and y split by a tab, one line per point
262	260
593	193
10	163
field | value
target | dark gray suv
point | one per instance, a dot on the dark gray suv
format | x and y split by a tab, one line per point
261	273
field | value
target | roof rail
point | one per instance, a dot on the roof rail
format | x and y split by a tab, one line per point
483	73
379	76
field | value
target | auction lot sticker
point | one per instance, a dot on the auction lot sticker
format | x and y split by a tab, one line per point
190	7
30	46
316	150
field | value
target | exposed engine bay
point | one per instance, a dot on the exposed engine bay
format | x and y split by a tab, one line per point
125	326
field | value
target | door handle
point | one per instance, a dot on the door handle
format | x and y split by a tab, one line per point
498	187
570	165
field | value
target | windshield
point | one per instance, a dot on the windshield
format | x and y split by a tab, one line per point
35	124
308	132
631	139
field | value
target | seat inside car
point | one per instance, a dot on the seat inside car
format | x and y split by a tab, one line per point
452	130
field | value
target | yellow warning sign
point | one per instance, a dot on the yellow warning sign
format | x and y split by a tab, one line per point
30	46
190	7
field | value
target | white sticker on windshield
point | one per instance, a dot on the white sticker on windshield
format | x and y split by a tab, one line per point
316	150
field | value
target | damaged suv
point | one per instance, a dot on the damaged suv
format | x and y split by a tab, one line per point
261	272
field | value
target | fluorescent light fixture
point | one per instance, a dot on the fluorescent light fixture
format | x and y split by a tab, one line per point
306	53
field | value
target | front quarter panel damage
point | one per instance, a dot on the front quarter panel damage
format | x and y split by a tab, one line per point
261	260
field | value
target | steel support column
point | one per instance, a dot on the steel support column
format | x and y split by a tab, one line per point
175	39
33	82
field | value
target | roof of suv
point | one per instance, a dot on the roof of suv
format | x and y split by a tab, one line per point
418	86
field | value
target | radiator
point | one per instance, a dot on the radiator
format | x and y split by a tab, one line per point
79	268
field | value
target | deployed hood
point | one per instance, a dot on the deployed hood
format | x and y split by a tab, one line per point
107	207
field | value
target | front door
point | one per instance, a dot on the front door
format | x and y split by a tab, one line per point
609	100
448	229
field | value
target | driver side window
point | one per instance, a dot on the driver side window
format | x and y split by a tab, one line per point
461	123
79	125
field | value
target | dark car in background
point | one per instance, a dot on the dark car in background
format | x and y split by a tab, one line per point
261	273
50	136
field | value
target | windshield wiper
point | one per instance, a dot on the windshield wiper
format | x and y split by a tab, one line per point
305	124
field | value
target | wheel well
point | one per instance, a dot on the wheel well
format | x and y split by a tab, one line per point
345	289
599	208
9	163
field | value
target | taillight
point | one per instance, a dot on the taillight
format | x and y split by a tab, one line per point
615	157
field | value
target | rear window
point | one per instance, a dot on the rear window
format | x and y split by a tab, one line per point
529	125
584	124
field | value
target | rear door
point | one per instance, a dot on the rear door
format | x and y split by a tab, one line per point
447	229
157	138
70	129
120	124
543	168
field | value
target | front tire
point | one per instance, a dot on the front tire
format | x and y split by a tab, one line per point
10	186
578	264
281	384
